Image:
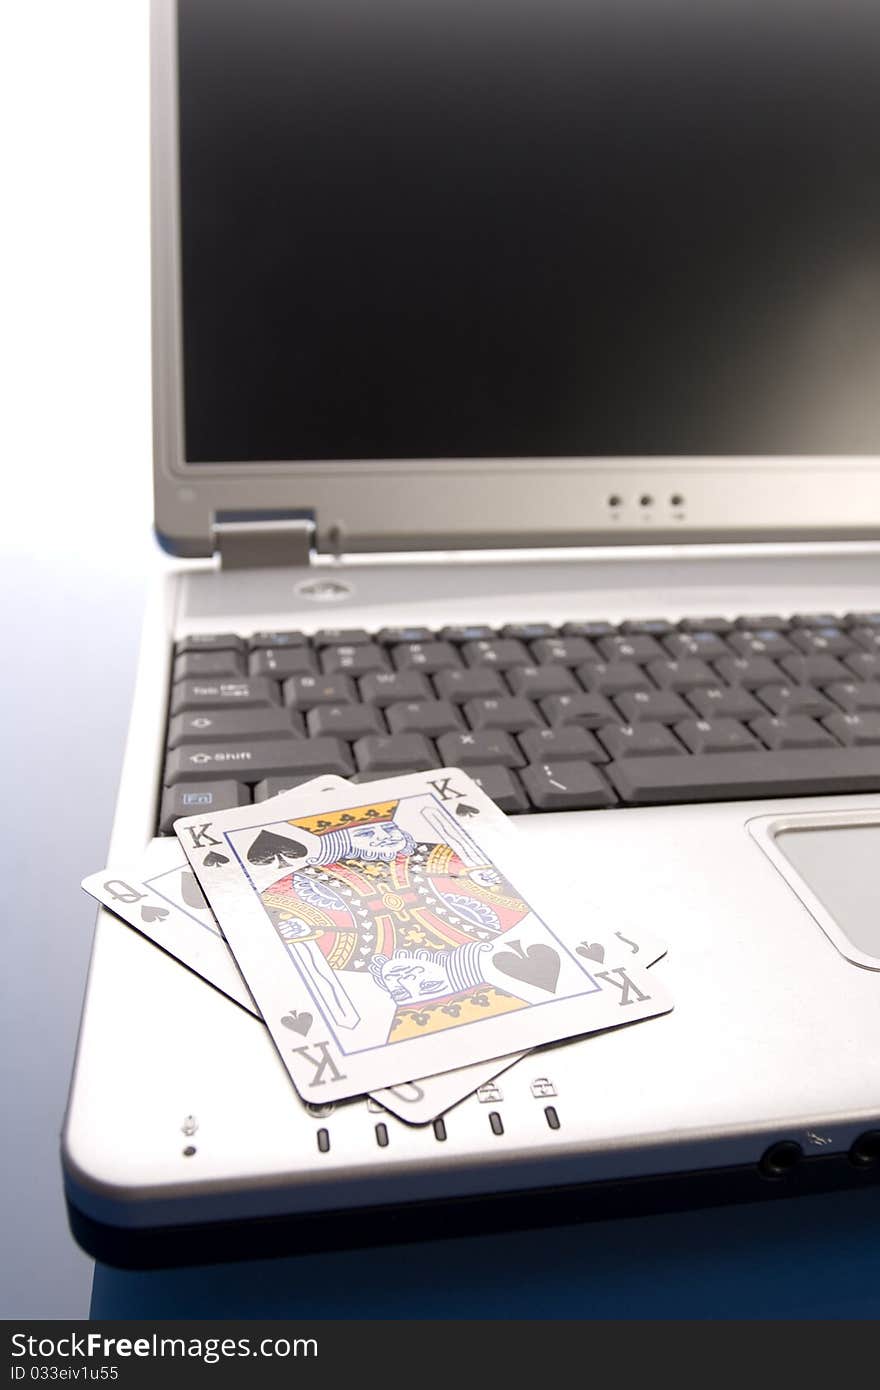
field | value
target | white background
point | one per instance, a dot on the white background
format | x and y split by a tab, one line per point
75	549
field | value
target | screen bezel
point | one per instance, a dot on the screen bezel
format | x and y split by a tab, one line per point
384	505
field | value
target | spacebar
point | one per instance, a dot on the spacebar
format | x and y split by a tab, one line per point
735	776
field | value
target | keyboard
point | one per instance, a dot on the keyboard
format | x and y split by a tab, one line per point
584	716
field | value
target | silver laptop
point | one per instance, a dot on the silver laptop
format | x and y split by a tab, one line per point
516	407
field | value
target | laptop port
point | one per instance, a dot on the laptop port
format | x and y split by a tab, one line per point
865	1150
780	1159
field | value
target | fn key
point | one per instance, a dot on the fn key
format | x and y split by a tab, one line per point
195	797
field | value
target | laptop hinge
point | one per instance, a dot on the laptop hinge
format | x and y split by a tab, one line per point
263	540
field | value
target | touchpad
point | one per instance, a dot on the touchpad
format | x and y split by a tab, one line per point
833	864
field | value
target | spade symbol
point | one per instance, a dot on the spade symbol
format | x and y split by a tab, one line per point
538	965
212	860
298	1023
154	914
463	809
190	891
275	849
592	950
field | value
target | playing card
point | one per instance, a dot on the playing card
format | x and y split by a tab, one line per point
168	906
419	1102
170	876
162	899
400	931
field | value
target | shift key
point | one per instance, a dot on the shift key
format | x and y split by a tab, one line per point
251	761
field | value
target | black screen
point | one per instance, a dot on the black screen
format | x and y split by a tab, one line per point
464	228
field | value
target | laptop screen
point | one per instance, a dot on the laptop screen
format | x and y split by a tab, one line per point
529	228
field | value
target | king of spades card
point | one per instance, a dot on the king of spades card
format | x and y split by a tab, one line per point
413	912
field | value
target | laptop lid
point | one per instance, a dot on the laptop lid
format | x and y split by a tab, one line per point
522	272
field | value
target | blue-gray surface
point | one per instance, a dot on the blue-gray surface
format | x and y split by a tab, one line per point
74	550
70	635
814	1257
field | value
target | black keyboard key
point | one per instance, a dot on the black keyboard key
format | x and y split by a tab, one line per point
708	646
770	621
794	699
813	670
815	620
427	657
501	653
855	730
428	717
715	736
345	721
376	774
791	731
687	674
639	740
866	665
210	642
341	637
613	677
502	786
393	636
280	663
558	745
278	639
626	648
470	632
868	638
861	620
384	688
229	725
662	706
832	640
725	702
274	786
647	627
854	696
193	798
469	683
508	712
763	642
564	651
252	761
720	777
208	665
750	671
536	682
305	692
719	625
589	630
482	748
395	753
528	632
588	710
568	786
251	692
350	660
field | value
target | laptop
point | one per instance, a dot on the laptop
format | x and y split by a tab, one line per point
516	409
